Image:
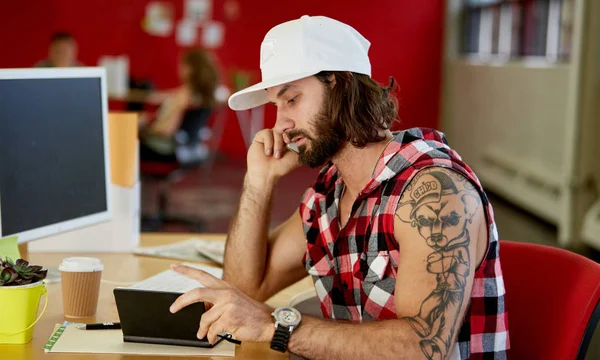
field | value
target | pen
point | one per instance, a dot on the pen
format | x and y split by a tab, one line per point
229	338
100	326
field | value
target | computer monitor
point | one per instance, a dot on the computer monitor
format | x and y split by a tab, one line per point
54	159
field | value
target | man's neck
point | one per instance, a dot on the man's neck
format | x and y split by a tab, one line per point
357	165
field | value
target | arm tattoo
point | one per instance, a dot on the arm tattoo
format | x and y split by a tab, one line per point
443	226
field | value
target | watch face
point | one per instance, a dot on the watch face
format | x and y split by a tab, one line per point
287	316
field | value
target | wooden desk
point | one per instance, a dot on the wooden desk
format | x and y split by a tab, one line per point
124	268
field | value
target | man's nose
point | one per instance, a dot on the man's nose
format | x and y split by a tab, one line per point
283	123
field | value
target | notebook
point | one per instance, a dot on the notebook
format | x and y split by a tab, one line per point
67	338
153	322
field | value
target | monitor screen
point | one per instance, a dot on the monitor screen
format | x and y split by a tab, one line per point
53	161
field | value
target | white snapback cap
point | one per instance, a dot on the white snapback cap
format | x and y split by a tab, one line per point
301	48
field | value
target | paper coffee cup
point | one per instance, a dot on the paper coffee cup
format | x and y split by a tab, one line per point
80	278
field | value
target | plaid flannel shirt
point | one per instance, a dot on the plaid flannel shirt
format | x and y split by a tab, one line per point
354	268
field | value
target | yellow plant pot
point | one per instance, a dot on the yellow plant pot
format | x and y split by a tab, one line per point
18	310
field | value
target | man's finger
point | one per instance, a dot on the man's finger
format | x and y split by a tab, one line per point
194	296
215	329
278	145
208	318
266	138
202	277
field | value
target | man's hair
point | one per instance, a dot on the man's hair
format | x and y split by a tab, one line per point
61	36
359	107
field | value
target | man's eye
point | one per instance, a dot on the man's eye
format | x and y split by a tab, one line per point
293	100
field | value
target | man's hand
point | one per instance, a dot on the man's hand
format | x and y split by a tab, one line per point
268	157
232	311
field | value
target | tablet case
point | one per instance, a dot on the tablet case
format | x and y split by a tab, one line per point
145	318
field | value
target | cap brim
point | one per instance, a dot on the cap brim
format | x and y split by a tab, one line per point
256	95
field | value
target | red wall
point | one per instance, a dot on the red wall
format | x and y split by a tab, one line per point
405	35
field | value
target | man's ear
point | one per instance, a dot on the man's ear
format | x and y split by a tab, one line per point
471	204
332	81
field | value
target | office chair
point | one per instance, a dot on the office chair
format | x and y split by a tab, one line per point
552	301
190	153
138	84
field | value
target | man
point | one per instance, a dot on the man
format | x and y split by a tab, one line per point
396	227
62	51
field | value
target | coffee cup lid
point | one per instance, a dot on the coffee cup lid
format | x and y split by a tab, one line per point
81	264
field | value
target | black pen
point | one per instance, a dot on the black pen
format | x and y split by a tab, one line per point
100	326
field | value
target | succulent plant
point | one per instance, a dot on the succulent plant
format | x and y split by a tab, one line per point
19	272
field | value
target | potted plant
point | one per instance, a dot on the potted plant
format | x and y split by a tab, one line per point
21	288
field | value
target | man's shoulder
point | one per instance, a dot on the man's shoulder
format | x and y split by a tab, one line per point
420	133
420	148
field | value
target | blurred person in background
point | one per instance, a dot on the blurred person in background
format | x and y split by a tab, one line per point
199	77
62	51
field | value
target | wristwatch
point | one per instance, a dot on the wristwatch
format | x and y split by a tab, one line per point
286	320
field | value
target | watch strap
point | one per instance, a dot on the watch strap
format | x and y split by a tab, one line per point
280	338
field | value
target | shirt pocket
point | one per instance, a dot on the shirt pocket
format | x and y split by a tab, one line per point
376	272
372	266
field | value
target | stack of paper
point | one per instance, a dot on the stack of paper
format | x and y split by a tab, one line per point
194	249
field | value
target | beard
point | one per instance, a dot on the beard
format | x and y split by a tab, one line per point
324	145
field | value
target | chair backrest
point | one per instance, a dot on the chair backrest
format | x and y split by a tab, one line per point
193	121
190	149
552	300
138	84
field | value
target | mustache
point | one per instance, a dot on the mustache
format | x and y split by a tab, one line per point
295	133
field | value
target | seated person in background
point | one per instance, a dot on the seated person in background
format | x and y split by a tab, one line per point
396	231
200	79
62	51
